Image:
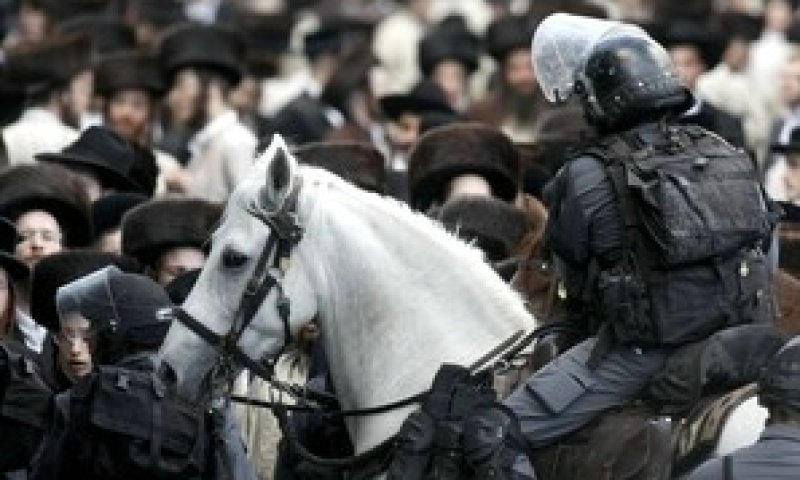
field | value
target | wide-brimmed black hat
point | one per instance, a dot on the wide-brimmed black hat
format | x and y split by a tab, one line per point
130	70
450	41
158	225
506	35
108	34
457	149
203	46
708	42
61	10
107	211
101	151
9	237
159	13
426	96
358	163
53	189
58	269
49	64
792	146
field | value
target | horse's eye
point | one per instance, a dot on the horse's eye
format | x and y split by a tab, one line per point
233	259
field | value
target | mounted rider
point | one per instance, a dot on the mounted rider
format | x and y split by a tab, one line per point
656	229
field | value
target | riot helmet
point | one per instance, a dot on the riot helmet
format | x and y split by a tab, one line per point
621	75
779	384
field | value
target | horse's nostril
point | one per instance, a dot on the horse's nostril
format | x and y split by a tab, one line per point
167	374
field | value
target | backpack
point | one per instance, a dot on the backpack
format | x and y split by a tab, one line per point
461	432
25	402
124	424
695	219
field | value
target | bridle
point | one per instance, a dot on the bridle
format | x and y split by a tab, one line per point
285	234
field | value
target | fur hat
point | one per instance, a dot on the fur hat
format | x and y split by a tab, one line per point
104	153
155	226
204	46
57	270
358	163
450	41
506	35
108	34
8	243
129	70
51	188
49	64
461	148
107	211
495	226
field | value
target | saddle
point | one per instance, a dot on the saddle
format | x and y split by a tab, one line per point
637	442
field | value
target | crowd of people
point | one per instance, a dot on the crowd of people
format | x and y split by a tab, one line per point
126	124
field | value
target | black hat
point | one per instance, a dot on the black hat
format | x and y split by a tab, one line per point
50	188
155	226
267	38
506	35
129	70
450	41
358	163
123	307
16	269
496	227
67	9
792	146
737	25
108	34
780	382
337	34
461	148
107	211
101	151
426	96
160	13
203	46
698	35
57	270
49	64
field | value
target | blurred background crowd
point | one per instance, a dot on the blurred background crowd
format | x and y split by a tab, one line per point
125	125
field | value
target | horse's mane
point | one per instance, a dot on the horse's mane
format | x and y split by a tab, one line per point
470	261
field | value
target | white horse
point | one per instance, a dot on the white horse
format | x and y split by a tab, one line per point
395	295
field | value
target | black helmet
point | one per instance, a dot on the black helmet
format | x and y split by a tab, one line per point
780	381
627	80
622	76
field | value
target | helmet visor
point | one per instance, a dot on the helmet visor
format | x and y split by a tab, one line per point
561	45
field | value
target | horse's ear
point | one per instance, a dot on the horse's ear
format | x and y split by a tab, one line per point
281	170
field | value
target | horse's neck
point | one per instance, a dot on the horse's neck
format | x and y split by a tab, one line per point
401	303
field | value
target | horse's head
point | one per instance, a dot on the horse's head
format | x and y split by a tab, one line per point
238	311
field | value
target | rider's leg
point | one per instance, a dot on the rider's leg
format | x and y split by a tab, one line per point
566	394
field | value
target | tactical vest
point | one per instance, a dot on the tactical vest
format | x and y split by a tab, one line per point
461	432
24	409
125	425
696	218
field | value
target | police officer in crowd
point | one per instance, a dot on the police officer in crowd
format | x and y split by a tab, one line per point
776	455
118	421
643	292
